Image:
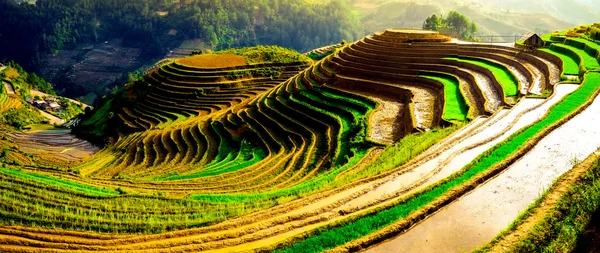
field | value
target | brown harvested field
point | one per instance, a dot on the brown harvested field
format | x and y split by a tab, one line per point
213	61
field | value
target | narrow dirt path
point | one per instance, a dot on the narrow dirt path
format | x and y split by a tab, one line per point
493	206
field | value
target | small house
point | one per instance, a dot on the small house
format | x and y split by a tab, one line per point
532	40
54	106
41	104
29	100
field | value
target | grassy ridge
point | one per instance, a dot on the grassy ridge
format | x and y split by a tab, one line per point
456	107
570	66
391	158
69	185
589	62
507	80
335	236
267	54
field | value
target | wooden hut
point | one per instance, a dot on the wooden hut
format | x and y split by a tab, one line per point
532	40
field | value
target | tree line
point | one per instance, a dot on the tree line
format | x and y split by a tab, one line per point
454	24
28	32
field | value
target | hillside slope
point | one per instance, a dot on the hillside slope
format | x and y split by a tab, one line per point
491	21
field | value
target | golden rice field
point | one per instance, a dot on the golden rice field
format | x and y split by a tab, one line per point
213	61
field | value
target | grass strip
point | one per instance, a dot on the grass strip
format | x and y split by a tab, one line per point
330	237
455	107
570	66
392	157
507	80
240	162
589	62
72	186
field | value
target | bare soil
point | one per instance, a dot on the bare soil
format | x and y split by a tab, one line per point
53	120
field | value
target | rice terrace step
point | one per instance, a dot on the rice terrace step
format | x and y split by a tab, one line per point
405	140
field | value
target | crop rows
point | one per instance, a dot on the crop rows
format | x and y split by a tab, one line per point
237	158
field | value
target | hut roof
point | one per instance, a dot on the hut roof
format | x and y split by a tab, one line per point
527	36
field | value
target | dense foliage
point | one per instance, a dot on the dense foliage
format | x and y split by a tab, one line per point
32	31
19	118
455	24
594	31
30	80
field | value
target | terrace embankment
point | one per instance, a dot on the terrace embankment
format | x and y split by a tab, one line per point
460	153
53	146
229	158
493	206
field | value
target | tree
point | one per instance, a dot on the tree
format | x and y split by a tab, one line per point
432	23
458	22
455	23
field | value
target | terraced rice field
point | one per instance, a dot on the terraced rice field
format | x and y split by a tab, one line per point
401	140
214	61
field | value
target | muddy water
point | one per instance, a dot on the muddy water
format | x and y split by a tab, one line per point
58	142
424	103
476	218
538	78
525	84
493	98
458	156
554	71
387	122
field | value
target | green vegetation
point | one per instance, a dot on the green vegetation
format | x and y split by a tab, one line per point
69	109
59	183
455	107
95	124
268	54
570	66
330	237
588	62
43	28
455	23
563	226
29	80
259	133
507	80
19	118
391	158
